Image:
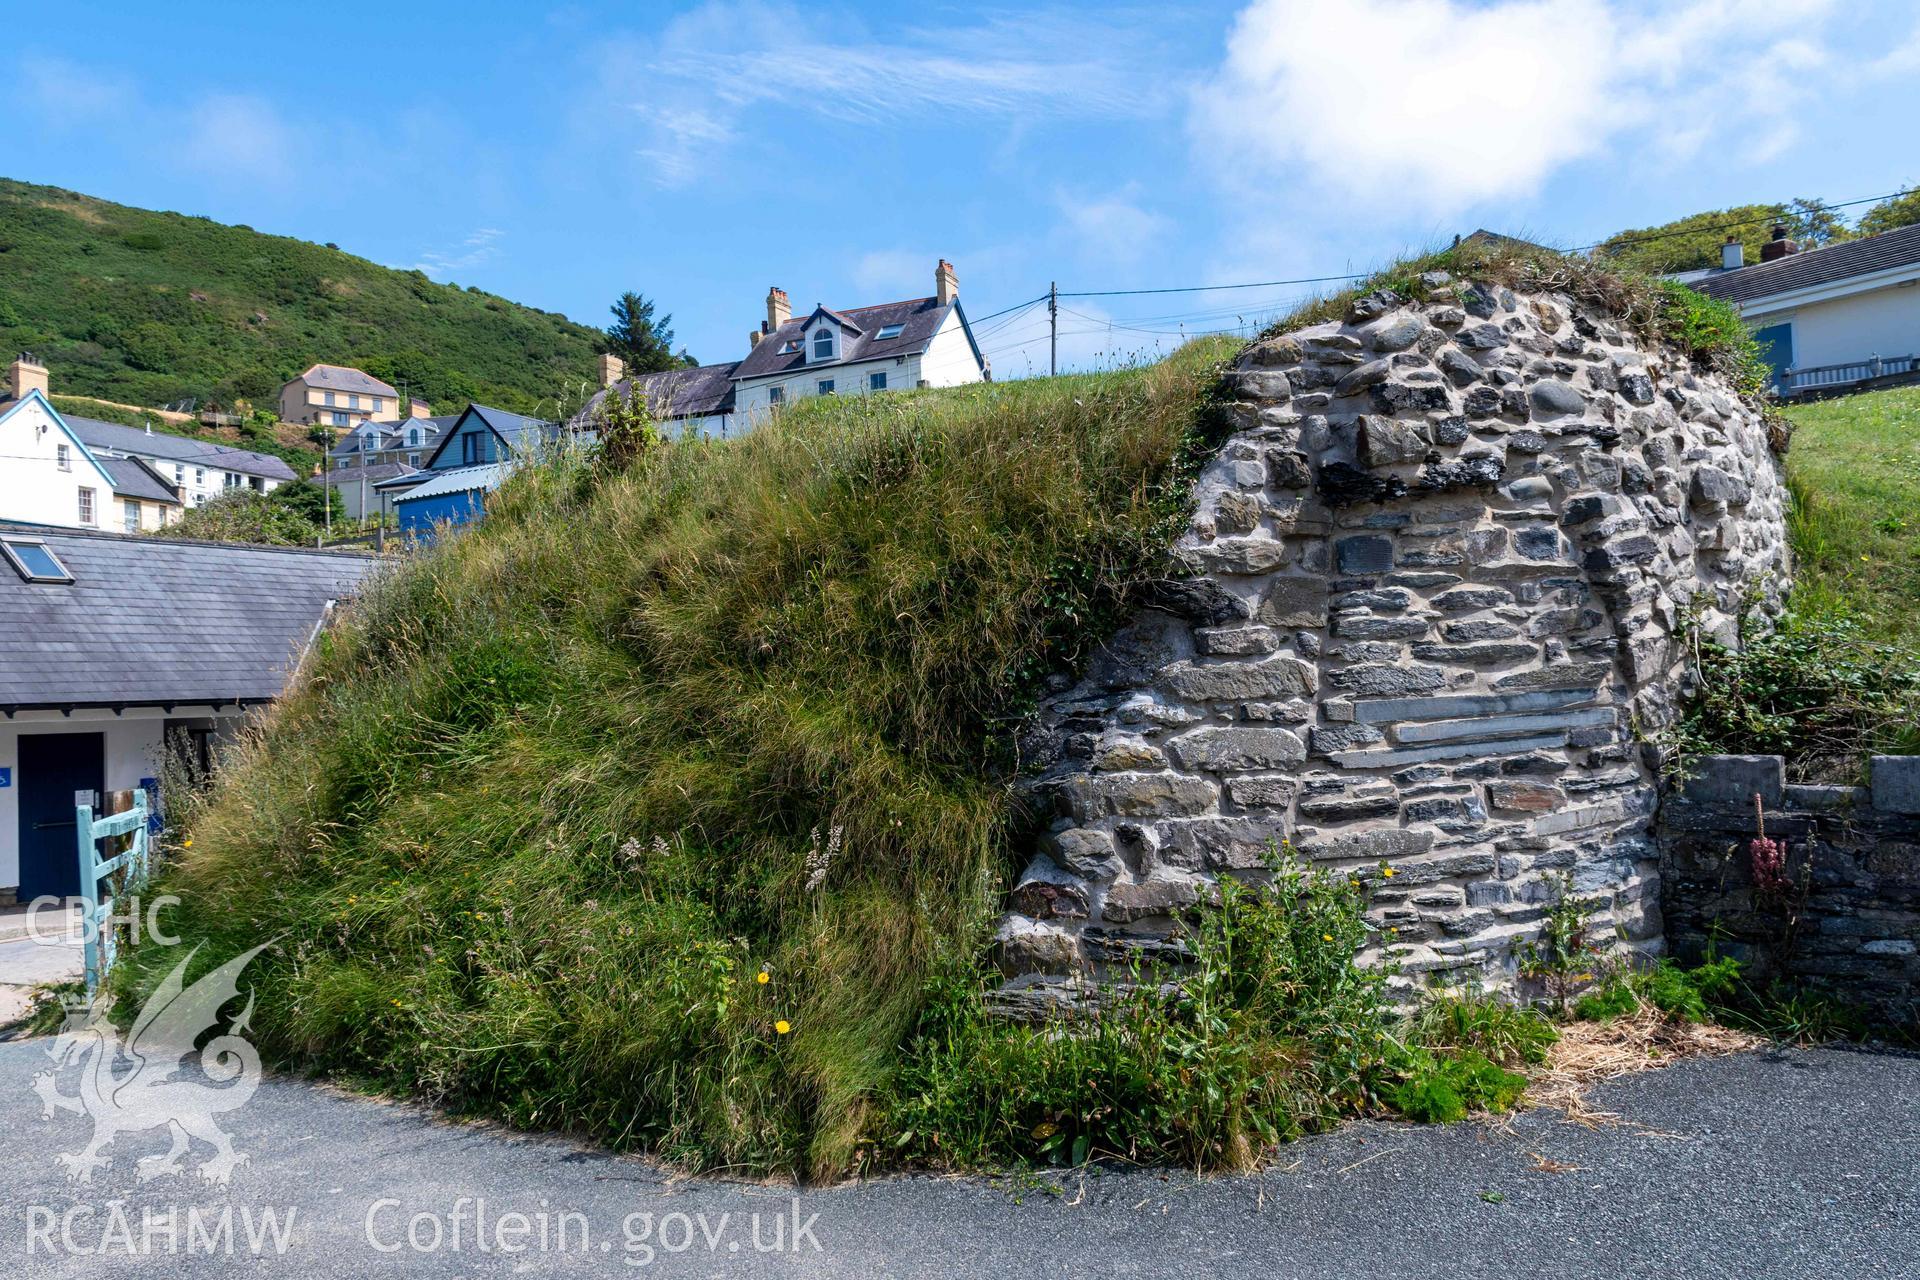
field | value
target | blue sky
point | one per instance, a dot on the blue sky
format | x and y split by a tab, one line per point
558	154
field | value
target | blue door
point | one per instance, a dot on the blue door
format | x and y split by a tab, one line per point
1776	348
52	767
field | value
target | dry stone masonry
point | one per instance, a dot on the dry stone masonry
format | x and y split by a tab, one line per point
1437	585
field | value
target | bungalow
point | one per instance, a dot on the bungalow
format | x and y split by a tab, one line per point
112	646
473	456
1841	318
895	346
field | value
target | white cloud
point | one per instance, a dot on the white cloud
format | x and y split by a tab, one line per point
891	273
240	137
1444	104
479	247
712	66
1112	229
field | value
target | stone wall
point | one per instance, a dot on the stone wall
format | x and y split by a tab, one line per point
1848	917
1435	580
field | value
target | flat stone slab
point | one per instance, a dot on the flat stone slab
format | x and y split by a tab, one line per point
1896	784
1733	780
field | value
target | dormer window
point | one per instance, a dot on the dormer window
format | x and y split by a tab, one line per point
823	344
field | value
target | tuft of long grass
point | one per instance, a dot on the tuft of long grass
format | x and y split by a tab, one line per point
533	835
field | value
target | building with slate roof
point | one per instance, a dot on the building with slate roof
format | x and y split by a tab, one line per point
473	456
375	452
189	470
1845	317
337	396
894	346
111	645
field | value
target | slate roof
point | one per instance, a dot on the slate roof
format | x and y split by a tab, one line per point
133	478
675	393
394	436
520	432
437	484
336	377
1897	248
154	621
921	318
347	477
158	444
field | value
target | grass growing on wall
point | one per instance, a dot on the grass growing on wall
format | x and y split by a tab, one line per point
548	832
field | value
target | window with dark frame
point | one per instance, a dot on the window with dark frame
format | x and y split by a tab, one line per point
33	560
826	386
877	381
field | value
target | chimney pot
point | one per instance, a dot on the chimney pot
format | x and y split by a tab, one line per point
779	311
27	375
946	282
1732	255
753	338
1779	246
612	369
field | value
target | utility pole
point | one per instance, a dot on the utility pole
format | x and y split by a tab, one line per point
1053	329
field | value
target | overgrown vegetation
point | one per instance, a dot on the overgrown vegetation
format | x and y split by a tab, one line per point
146	308
1705	329
541	816
1837	678
292	515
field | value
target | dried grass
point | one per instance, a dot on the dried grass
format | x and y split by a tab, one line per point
1590	1053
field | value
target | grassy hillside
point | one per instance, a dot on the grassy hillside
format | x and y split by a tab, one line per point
1855	472
145	308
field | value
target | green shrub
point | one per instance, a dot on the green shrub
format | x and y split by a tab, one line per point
1443	1090
1814	689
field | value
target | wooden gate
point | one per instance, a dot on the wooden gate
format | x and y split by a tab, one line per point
127	832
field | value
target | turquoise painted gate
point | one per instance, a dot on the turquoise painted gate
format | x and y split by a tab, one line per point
96	909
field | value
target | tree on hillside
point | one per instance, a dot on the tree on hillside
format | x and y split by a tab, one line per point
643	343
1899	211
1692	242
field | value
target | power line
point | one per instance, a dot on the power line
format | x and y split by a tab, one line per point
1744	222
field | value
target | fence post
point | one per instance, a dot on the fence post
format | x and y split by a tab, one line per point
127	822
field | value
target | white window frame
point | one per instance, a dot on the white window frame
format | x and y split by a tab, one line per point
63	455
88	509
822	336
888	331
130	513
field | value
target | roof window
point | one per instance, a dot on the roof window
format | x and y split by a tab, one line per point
34	561
889	331
792	347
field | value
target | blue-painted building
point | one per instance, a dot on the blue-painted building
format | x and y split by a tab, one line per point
470	460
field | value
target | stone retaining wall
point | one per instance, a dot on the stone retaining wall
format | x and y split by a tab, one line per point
1436	579
1848	918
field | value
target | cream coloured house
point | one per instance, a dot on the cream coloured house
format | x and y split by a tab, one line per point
333	395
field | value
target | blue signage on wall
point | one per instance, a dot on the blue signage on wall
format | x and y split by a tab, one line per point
6	777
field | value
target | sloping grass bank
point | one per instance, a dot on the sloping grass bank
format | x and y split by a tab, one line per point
644	807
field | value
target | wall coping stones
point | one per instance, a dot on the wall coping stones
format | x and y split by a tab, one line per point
1733	780
1896	783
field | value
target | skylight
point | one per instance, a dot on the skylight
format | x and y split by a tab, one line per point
33	561
791	348
889	331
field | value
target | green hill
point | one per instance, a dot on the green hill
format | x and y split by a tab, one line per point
146	308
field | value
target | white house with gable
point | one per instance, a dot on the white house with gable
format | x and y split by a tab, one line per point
47	475
892	346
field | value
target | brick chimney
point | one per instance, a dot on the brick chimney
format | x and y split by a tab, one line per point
612	369
946	283
418	408
1732	256
28	374
1779	246
753	338
779	311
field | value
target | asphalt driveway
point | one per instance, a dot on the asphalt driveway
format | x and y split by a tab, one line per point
1800	1163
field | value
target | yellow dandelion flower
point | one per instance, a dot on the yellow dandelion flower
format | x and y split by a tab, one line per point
763	977
186	844
1387	872
782	1026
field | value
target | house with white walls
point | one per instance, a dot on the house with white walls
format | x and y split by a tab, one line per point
48	475
112	646
891	346
1844	317
190	471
